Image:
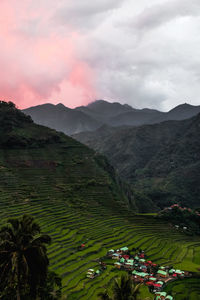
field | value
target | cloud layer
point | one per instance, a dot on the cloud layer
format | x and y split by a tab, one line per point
144	54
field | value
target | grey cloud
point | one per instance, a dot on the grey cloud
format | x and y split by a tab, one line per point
159	14
85	14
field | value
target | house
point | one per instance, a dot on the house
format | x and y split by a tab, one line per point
110	252
160	295
115	256
125	256
90	273
124	249
152	279
129	264
160	283
162	274
117	265
122	260
143	268
140	274
179	272
97	273
171	271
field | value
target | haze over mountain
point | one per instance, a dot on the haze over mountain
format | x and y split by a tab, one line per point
94	115
160	160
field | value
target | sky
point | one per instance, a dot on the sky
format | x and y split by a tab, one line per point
144	53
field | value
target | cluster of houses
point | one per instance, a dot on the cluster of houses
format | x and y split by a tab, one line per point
181	209
145	271
91	273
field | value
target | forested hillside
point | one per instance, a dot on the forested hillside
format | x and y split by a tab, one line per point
161	161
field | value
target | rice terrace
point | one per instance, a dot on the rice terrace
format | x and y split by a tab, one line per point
100	231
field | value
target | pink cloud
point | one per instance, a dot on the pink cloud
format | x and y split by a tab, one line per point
38	60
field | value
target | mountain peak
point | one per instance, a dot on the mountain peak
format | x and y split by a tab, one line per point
184	106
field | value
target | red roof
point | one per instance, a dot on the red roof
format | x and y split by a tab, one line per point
82	245
141	279
174	275
156	285
125	256
149	262
149	283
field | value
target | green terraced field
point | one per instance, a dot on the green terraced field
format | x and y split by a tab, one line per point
101	231
185	289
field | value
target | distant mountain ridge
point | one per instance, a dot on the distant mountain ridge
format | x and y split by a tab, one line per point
100	112
160	160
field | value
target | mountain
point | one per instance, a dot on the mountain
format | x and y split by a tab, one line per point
100	112
39	160
137	117
62	118
183	111
104	111
161	160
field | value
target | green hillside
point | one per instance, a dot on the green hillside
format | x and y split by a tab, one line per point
160	161
73	194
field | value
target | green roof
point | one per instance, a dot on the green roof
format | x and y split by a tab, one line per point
152	278
124	249
162	268
111	250
129	262
171	271
117	263
142	274
136	257
97	271
179	272
160	282
162	272
122	260
169	297
163	294
142	260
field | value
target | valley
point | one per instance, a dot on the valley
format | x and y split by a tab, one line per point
74	195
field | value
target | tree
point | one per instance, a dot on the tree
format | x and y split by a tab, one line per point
125	289
104	296
52	289
23	259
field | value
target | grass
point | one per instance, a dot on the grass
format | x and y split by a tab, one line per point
73	211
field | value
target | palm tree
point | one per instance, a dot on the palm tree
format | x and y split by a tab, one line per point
125	289
52	289
23	258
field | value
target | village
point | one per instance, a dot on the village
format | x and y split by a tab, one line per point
144	271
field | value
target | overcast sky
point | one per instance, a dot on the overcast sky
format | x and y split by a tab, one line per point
144	53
